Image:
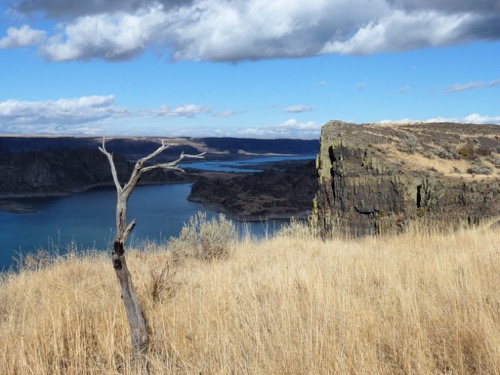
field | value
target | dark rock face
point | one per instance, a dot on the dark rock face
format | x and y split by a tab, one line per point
270	194
57	172
62	171
65	171
374	178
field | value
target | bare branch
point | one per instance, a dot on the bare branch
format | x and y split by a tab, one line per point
158	151
139	166
128	230
172	165
112	165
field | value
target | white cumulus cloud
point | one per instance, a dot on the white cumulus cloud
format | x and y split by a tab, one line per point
63	111
401	31
112	37
22	37
83	115
236	30
473	118
291	128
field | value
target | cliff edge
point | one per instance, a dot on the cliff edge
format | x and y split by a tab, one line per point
375	178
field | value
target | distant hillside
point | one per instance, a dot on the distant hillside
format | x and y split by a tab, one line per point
64	171
134	147
262	146
45	166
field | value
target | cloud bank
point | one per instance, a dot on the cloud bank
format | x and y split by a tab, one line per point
83	115
80	110
473	118
237	30
89	115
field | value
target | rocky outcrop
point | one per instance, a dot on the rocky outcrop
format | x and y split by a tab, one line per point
375	178
272	194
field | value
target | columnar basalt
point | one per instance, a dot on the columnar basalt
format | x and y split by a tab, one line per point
375	178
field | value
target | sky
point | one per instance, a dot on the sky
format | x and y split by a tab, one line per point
244	68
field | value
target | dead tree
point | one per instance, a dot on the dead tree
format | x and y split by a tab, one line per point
138	328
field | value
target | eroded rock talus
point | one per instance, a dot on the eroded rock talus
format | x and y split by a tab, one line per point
375	178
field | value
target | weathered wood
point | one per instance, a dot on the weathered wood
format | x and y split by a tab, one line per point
137	323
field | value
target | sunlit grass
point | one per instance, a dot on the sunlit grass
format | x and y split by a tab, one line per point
418	303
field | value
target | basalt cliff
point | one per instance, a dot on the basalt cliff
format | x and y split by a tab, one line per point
376	178
277	193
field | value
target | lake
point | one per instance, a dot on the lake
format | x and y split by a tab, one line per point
87	220
243	165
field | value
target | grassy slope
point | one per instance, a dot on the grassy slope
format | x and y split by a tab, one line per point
410	304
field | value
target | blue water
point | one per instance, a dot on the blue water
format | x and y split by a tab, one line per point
87	220
246	165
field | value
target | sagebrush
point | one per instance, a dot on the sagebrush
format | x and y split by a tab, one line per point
205	239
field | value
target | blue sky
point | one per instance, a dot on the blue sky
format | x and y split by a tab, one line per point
244	68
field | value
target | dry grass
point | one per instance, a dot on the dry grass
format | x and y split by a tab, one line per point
417	303
420	147
448	168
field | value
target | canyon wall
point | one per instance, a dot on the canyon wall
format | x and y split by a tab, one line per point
376	178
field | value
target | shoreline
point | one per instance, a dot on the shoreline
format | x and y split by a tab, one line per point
16	208
19	204
13	202
246	216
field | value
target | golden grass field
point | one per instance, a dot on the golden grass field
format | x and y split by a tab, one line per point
417	303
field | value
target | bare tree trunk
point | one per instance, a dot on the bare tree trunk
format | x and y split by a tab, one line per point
137	323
